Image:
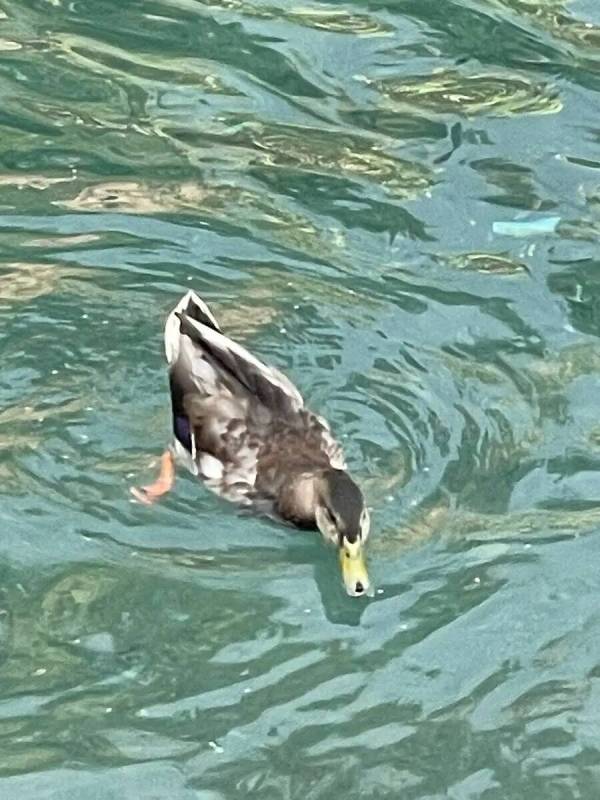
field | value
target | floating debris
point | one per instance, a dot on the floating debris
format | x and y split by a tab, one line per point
530	227
98	642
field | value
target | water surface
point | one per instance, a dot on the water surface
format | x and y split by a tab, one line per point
399	204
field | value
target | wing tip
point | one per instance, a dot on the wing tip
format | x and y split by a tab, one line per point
192	307
195	307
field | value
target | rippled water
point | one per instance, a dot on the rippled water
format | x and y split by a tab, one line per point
398	203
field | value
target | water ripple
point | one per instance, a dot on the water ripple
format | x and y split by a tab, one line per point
331	178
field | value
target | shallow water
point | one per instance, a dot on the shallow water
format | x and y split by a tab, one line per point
399	204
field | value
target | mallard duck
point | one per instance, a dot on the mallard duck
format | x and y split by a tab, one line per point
242	428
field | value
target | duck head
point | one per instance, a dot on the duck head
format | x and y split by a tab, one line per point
343	518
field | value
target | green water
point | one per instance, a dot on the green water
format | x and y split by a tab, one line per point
328	176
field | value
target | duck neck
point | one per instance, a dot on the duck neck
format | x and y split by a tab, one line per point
297	500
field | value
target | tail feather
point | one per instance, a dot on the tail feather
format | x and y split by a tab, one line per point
195	308
268	385
198	310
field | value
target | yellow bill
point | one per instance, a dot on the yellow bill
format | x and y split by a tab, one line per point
354	569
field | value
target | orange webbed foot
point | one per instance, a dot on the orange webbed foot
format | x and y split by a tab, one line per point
147	495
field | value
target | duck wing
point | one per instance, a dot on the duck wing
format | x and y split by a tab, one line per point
226	403
226	362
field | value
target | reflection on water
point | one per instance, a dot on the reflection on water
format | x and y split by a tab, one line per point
488	263
398	205
448	91
557	20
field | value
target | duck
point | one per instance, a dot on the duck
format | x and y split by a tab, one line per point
243	429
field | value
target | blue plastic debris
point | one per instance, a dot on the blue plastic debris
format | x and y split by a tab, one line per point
529	227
